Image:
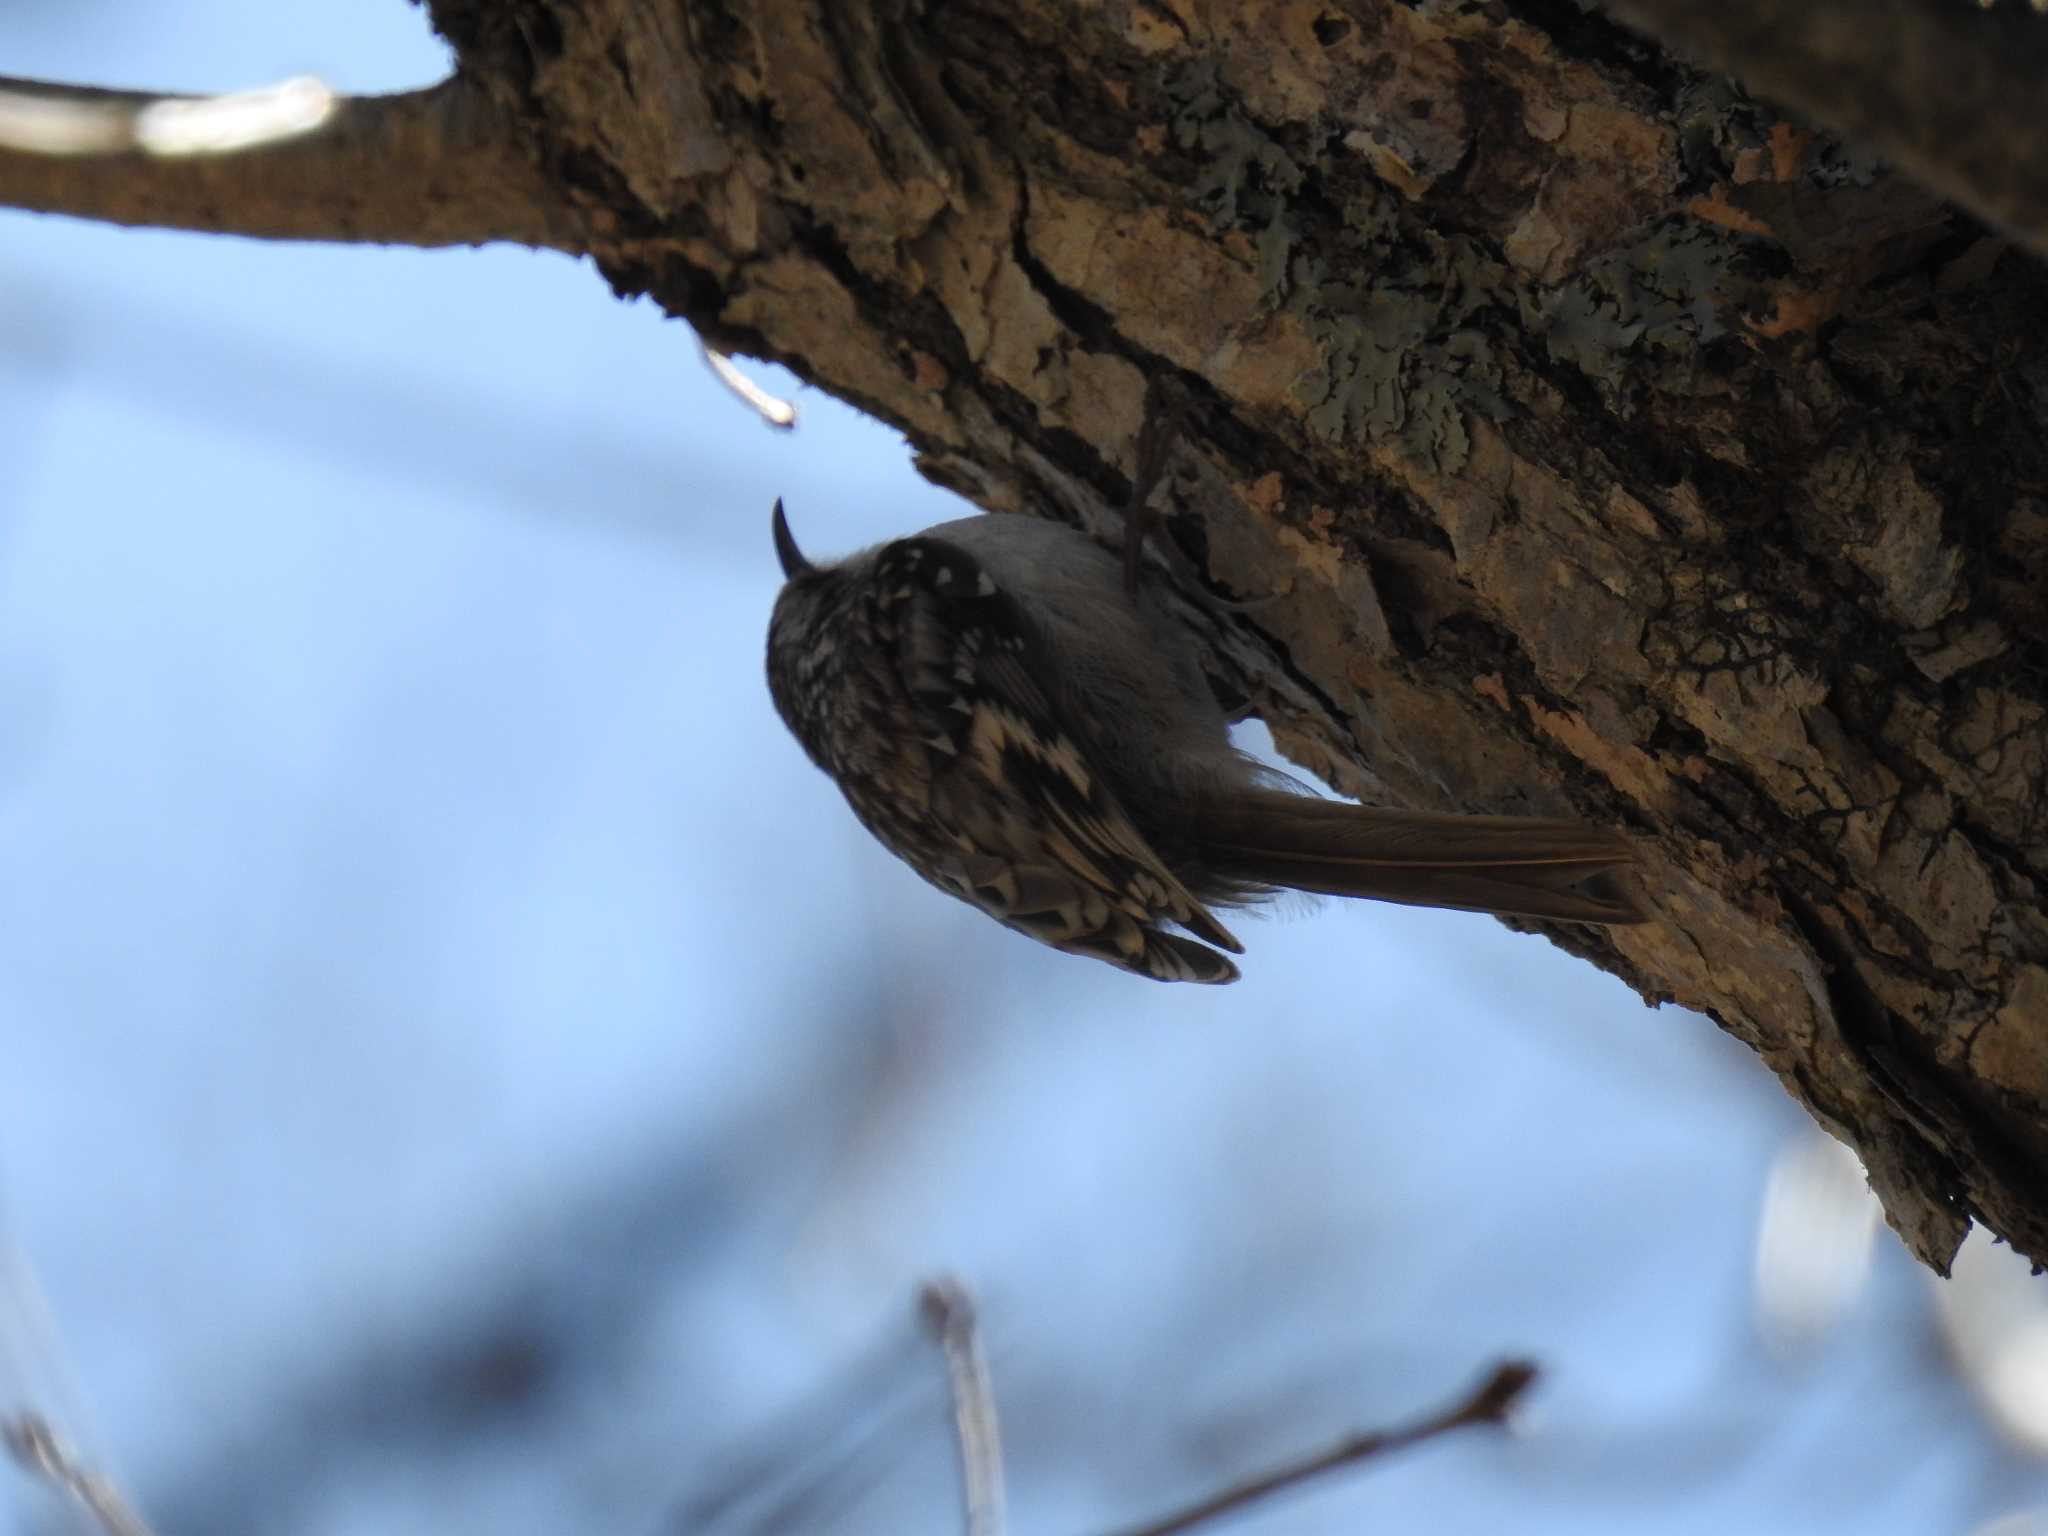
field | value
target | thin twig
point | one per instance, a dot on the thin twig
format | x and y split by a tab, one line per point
773	409
949	1312
35	1446
1490	1404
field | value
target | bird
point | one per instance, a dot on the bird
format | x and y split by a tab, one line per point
1032	733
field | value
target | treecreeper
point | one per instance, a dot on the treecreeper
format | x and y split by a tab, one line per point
1032	733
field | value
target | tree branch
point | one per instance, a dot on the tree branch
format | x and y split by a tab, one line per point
1622	449
948	1311
1946	90
34	1446
1491	1403
440	166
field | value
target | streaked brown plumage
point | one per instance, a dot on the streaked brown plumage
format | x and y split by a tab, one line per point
1030	737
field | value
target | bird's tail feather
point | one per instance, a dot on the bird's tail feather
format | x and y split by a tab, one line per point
1515	865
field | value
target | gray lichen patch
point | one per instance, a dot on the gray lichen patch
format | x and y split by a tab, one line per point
1246	177
1399	363
1662	298
1385	373
1396	361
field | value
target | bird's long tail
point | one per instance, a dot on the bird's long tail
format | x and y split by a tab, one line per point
1507	864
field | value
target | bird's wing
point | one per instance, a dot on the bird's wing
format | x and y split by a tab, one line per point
1040	840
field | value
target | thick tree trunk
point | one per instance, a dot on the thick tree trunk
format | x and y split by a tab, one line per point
1573	434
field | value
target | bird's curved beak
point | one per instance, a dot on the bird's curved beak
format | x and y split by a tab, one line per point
793	562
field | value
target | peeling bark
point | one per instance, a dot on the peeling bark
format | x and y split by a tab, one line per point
1573	433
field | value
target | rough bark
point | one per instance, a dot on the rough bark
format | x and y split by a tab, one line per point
1581	435
1948	90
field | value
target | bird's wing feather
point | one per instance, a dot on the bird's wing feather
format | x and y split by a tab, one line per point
1042	842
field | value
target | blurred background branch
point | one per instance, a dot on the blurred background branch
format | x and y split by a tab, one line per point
1490	1403
36	1448
949	1312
